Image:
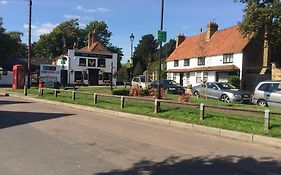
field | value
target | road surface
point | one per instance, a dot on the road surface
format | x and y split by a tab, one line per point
45	139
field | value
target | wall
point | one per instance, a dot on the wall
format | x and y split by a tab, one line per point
6	79
276	72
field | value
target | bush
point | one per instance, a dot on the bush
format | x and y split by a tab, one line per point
121	92
234	80
136	91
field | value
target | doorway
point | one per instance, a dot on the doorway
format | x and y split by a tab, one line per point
63	77
93	77
181	79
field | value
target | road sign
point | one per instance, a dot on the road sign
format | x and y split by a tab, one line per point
162	36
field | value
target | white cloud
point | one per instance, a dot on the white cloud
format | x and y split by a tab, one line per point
97	10
41	29
72	17
3	2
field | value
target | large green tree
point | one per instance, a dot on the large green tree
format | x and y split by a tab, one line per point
263	17
143	54
10	44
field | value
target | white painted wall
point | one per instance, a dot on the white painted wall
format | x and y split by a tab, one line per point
6	79
209	61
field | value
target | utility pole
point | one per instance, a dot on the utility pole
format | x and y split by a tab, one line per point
29	45
160	53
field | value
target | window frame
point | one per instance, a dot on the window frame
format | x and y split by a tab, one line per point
227	58
201	61
176	63
186	62
80	64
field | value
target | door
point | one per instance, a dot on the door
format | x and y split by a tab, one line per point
63	77
181	79
212	91
274	95
93	76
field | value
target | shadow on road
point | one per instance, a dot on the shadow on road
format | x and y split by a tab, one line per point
6	102
11	118
228	165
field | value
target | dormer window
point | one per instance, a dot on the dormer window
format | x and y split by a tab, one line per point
201	61
227	58
176	63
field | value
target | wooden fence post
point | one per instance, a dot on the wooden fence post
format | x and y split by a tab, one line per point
202	111
73	95
25	90
156	106
267	119
122	102
95	98
56	93
42	92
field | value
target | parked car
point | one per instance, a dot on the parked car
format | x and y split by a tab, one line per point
268	93
222	91
170	86
141	82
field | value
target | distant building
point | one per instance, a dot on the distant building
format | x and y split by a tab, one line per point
215	54
91	65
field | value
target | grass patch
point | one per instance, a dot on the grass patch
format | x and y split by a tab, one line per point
235	120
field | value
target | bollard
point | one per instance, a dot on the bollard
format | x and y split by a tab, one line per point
267	119
202	111
25	90
95	98
56	93
42	92
157	106
73	95
122	102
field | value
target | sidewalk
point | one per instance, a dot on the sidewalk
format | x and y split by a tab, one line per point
245	137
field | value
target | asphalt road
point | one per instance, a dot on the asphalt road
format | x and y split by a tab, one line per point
45	139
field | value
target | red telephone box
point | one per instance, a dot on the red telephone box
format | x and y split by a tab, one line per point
18	76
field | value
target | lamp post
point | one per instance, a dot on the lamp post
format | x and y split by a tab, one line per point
132	37
160	52
29	45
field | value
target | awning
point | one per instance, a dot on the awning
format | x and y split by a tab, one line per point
205	68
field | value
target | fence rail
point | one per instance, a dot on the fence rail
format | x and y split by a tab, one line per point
157	103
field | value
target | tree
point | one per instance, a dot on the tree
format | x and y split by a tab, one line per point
123	72
263	17
144	51
138	70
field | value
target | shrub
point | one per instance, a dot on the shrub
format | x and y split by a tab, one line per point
234	80
136	91
153	92
120	92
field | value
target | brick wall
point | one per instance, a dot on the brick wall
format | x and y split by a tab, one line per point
276	72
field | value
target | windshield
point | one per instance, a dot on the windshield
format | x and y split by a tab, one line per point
225	86
143	79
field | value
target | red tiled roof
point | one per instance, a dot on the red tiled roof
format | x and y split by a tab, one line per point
95	47
229	40
207	68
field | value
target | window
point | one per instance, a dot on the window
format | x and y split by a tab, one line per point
187	75
175	76
201	61
198	77
82	61
78	75
91	63
186	62
212	86
264	87
176	63
228	58
101	62
205	75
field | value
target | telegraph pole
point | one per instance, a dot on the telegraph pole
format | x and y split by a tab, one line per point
29	45
160	52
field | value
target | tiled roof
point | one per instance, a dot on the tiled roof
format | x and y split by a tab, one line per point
229	40
207	68
96	47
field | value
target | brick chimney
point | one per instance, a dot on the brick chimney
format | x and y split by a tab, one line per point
90	39
94	36
180	38
212	27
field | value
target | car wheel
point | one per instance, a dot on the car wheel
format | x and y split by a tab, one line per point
225	98
196	94
262	103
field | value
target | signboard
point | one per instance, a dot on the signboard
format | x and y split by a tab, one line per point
93	55
162	36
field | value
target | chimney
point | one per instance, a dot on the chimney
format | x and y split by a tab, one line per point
90	39
74	45
212	27
180	38
94	36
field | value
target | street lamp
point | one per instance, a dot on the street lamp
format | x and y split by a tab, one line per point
132	37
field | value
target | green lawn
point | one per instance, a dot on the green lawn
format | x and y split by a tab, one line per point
234	120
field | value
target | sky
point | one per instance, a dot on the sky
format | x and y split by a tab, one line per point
123	17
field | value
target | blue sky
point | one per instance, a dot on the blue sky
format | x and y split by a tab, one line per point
123	17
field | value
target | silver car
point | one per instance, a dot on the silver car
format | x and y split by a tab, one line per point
222	91
268	93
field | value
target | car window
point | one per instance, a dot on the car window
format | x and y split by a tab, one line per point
225	86
275	87
264	87
212	86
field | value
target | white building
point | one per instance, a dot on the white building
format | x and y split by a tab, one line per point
214	55
91	65
5	77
